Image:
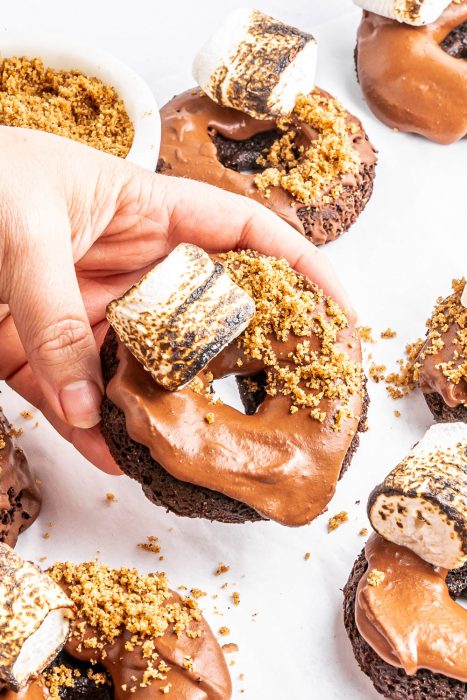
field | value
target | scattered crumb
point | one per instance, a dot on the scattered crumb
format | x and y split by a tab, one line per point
397	414
51	524
365	334
376	372
38	482
376	578
230	648
337	520
111	497
307	556
15	432
46	535
222	569
363	532
42	559
197	593
27	415
224	631
151	545
236	598
388	333
210	418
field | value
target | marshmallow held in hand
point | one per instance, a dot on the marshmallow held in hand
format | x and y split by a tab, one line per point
180	315
422	504
35	619
256	64
406	11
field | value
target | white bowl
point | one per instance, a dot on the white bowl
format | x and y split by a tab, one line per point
61	53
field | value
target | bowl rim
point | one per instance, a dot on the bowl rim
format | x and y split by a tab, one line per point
64	53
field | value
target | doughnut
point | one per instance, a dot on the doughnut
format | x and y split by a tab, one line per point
299	366
204	141
389	680
441	364
415	78
150	642
20	500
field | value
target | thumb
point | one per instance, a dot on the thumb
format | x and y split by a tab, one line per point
51	320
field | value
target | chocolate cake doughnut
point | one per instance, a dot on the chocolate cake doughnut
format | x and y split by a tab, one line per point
149	642
204	141
415	78
390	681
20	500
193	455
441	365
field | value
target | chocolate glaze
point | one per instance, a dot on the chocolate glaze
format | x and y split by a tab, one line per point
410	620
432	379
408	80
20	500
210	679
283	465
191	119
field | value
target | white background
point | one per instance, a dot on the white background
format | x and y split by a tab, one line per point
395	261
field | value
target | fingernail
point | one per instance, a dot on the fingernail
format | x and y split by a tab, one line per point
80	402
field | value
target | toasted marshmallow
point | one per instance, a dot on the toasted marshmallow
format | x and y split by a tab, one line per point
256	64
416	13
422	504
180	315
35	618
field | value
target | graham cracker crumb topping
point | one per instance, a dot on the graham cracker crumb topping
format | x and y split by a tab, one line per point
311	172
287	304
376	578
337	520
449	312
67	103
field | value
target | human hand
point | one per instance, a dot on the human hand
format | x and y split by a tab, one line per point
78	227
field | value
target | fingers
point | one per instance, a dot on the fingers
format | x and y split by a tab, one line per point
173	210
51	320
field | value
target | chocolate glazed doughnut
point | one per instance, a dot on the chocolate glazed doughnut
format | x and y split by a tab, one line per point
274	463
20	500
388	679
415	78
218	145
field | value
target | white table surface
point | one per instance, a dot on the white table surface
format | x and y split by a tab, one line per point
397	259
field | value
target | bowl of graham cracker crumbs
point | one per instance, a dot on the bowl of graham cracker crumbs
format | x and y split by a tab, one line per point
76	91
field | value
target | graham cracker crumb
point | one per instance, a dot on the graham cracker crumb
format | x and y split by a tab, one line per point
363	532
376	372
27	415
224	631
307	556
151	545
388	333
236	598
222	569
376	578
312	172
397	414
286	304
67	103
230	648
337	520
210	418
365	334
111	497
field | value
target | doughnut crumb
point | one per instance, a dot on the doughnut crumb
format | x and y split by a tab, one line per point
66	103
311	172
286	304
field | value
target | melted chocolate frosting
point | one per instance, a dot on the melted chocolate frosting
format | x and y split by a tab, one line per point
431	378
410	620
210	679
20	500
408	80
191	119
284	465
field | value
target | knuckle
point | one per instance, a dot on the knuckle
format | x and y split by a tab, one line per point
65	339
